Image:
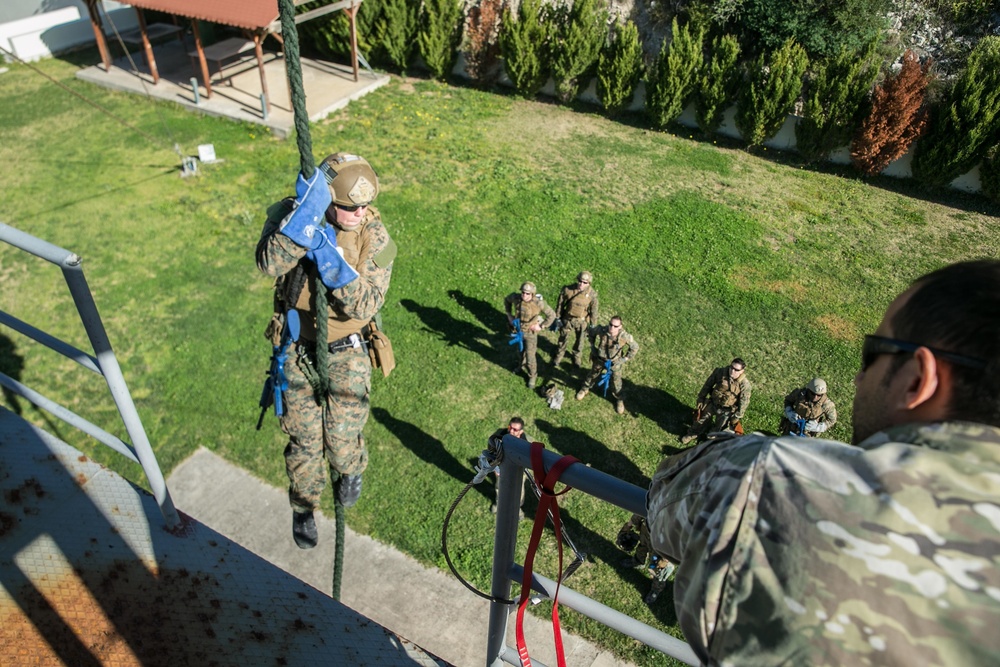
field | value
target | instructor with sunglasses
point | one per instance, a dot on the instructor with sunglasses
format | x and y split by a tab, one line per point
887	551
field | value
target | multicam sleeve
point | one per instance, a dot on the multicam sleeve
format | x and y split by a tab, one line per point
276	253
633	348
550	316
361	299
744	400
830	413
706	388
592	309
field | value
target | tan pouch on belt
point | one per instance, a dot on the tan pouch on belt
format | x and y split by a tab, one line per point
380	351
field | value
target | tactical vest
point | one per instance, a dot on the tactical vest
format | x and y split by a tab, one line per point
576	306
726	392
356	244
807	409
611	348
527	311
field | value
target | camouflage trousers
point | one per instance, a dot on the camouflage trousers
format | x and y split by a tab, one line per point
579	327
615	385
314	443
529	358
713	418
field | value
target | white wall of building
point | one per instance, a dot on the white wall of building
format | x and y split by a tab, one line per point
35	29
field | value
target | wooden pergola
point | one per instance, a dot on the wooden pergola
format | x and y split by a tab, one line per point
256	18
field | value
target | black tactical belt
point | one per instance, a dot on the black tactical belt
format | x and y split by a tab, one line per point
355	340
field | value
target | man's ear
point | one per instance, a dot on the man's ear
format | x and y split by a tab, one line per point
922	389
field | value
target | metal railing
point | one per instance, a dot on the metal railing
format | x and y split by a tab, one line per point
516	457
103	362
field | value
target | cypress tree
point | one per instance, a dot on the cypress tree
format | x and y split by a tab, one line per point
718	83
834	102
775	81
619	68
674	75
989	173
966	122
396	31
523	41
578	31
439	34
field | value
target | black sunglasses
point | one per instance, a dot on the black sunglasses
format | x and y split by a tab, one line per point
876	346
350	209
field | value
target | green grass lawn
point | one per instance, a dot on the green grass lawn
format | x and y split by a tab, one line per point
706	252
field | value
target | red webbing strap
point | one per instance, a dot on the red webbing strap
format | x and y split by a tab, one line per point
547	501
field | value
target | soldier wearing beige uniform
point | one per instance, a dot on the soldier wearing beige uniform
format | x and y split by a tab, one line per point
808	411
532	315
577	310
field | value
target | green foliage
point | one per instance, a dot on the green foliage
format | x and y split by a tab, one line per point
577	32
619	68
823	27
834	103
396	31
674	75
331	34
718	83
523	42
965	123
766	99
439	34
989	173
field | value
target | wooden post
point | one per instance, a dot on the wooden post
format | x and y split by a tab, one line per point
201	58
258	49
102	45
147	48
352	13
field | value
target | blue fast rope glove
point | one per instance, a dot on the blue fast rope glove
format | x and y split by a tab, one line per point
333	269
605	377
312	197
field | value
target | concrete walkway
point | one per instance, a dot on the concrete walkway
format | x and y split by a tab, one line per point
428	607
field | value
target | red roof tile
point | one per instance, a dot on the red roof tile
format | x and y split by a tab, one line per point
249	14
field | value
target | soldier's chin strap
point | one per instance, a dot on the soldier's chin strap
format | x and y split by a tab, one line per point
547	507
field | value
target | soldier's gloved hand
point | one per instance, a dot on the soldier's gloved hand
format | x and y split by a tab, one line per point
312	197
813	425
790	414
333	269
483	469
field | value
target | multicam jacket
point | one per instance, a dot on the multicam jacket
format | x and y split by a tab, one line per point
823	410
814	552
535	311
726	392
577	304
619	349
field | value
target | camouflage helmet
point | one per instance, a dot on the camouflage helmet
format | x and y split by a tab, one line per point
529	288
817	386
584	277
352	180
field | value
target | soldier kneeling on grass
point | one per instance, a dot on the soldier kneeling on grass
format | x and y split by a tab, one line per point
635	535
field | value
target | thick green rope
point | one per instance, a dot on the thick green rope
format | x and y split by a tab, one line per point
307	162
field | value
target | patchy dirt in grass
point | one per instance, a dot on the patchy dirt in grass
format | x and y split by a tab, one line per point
838	327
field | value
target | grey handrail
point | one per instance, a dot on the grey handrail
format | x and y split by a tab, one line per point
516	457
103	361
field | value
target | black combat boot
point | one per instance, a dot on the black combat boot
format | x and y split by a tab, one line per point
349	489
304	530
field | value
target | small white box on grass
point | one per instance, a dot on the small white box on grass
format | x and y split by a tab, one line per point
206	152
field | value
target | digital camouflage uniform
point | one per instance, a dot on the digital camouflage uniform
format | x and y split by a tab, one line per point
370	251
822	411
578	311
815	552
724	399
603	347
535	311
659	567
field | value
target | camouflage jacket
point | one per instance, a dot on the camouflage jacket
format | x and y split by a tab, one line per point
822	411
575	303
535	311
367	248
814	552
726	392
619	349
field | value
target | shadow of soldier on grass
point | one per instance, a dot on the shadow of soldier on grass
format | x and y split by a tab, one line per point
592	452
661	407
429	449
455	332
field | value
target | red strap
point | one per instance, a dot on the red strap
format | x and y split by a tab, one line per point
547	501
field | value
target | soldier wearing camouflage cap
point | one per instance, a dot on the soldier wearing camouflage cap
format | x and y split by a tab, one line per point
577	311
532	314
808	411
327	244
815	552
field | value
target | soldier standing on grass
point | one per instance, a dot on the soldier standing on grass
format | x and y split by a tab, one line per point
722	401
532	315
609	343
810	408
347	264
577	311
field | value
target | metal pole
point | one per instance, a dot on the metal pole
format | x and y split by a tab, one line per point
197	93
504	543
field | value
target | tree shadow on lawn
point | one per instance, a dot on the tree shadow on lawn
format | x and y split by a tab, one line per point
455	332
428	448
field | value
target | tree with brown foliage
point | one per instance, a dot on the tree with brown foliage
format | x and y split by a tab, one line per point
482	42
898	116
